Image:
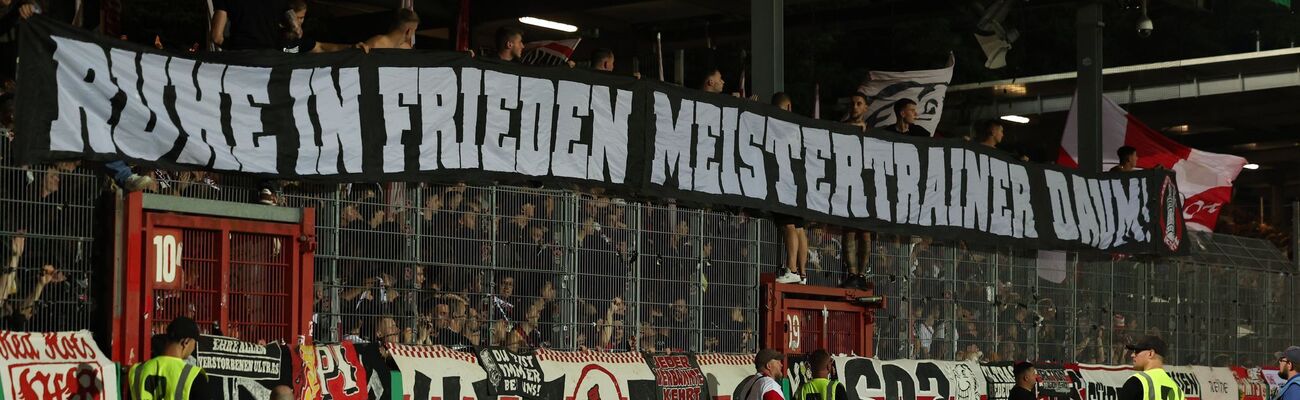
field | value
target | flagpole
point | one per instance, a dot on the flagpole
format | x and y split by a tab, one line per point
817	101
659	53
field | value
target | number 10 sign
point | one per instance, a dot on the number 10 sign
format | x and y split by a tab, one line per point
167	250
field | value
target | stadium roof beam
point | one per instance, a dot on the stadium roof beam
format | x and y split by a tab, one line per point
1195	84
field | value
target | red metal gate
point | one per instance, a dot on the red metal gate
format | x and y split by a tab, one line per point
801	319
248	279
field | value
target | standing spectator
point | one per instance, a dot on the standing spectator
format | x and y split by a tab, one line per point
1026	382
905	120
763	385
502	305
792	227
602	59
679	327
1128	159
510	44
254	24
168	376
989	133
821	387
1151	381
292	38
1287	369
400	33
857	243
712	82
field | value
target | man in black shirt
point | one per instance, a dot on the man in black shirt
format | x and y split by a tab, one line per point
293	40
905	120
1026	382
254	24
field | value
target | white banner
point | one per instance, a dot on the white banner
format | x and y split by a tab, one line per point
437	371
55	365
723	372
587	374
868	378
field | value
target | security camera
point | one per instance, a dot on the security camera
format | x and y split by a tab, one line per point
1144	26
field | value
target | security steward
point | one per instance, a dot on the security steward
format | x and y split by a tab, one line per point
168	376
1151	382
821	387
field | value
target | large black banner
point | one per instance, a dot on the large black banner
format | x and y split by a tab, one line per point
243	370
407	115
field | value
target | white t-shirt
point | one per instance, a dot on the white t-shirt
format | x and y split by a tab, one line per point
760	387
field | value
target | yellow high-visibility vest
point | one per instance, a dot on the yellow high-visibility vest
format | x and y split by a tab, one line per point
162	378
1157	385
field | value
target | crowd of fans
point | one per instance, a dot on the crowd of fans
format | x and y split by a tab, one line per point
464	266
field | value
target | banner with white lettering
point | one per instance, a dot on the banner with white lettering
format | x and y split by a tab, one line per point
724	372
677	376
515	374
242	370
869	378
1102	382
1058	382
410	115
332	372
439	372
55	365
998	379
589	375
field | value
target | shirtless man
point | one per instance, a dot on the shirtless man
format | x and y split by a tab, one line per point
401	32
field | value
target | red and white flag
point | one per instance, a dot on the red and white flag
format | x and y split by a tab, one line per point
549	52
1204	178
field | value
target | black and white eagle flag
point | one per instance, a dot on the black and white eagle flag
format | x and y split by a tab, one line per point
926	87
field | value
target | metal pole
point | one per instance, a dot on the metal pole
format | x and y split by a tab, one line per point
1089	30
634	303
1295	235
767	33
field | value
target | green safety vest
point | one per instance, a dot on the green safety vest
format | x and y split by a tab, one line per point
822	387
1157	385
162	378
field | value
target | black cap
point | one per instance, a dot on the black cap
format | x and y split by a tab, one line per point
1150	343
1020	368
765	356
183	328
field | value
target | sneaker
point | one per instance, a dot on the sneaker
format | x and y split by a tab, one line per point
788	277
136	183
803	279
854	281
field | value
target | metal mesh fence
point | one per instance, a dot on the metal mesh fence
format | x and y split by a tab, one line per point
521	267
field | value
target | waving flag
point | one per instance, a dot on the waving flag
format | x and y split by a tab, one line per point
1204	178
927	88
549	52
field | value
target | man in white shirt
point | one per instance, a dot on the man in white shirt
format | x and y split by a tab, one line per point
763	385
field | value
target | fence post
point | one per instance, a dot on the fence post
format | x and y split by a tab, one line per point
568	281
634	257
696	291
